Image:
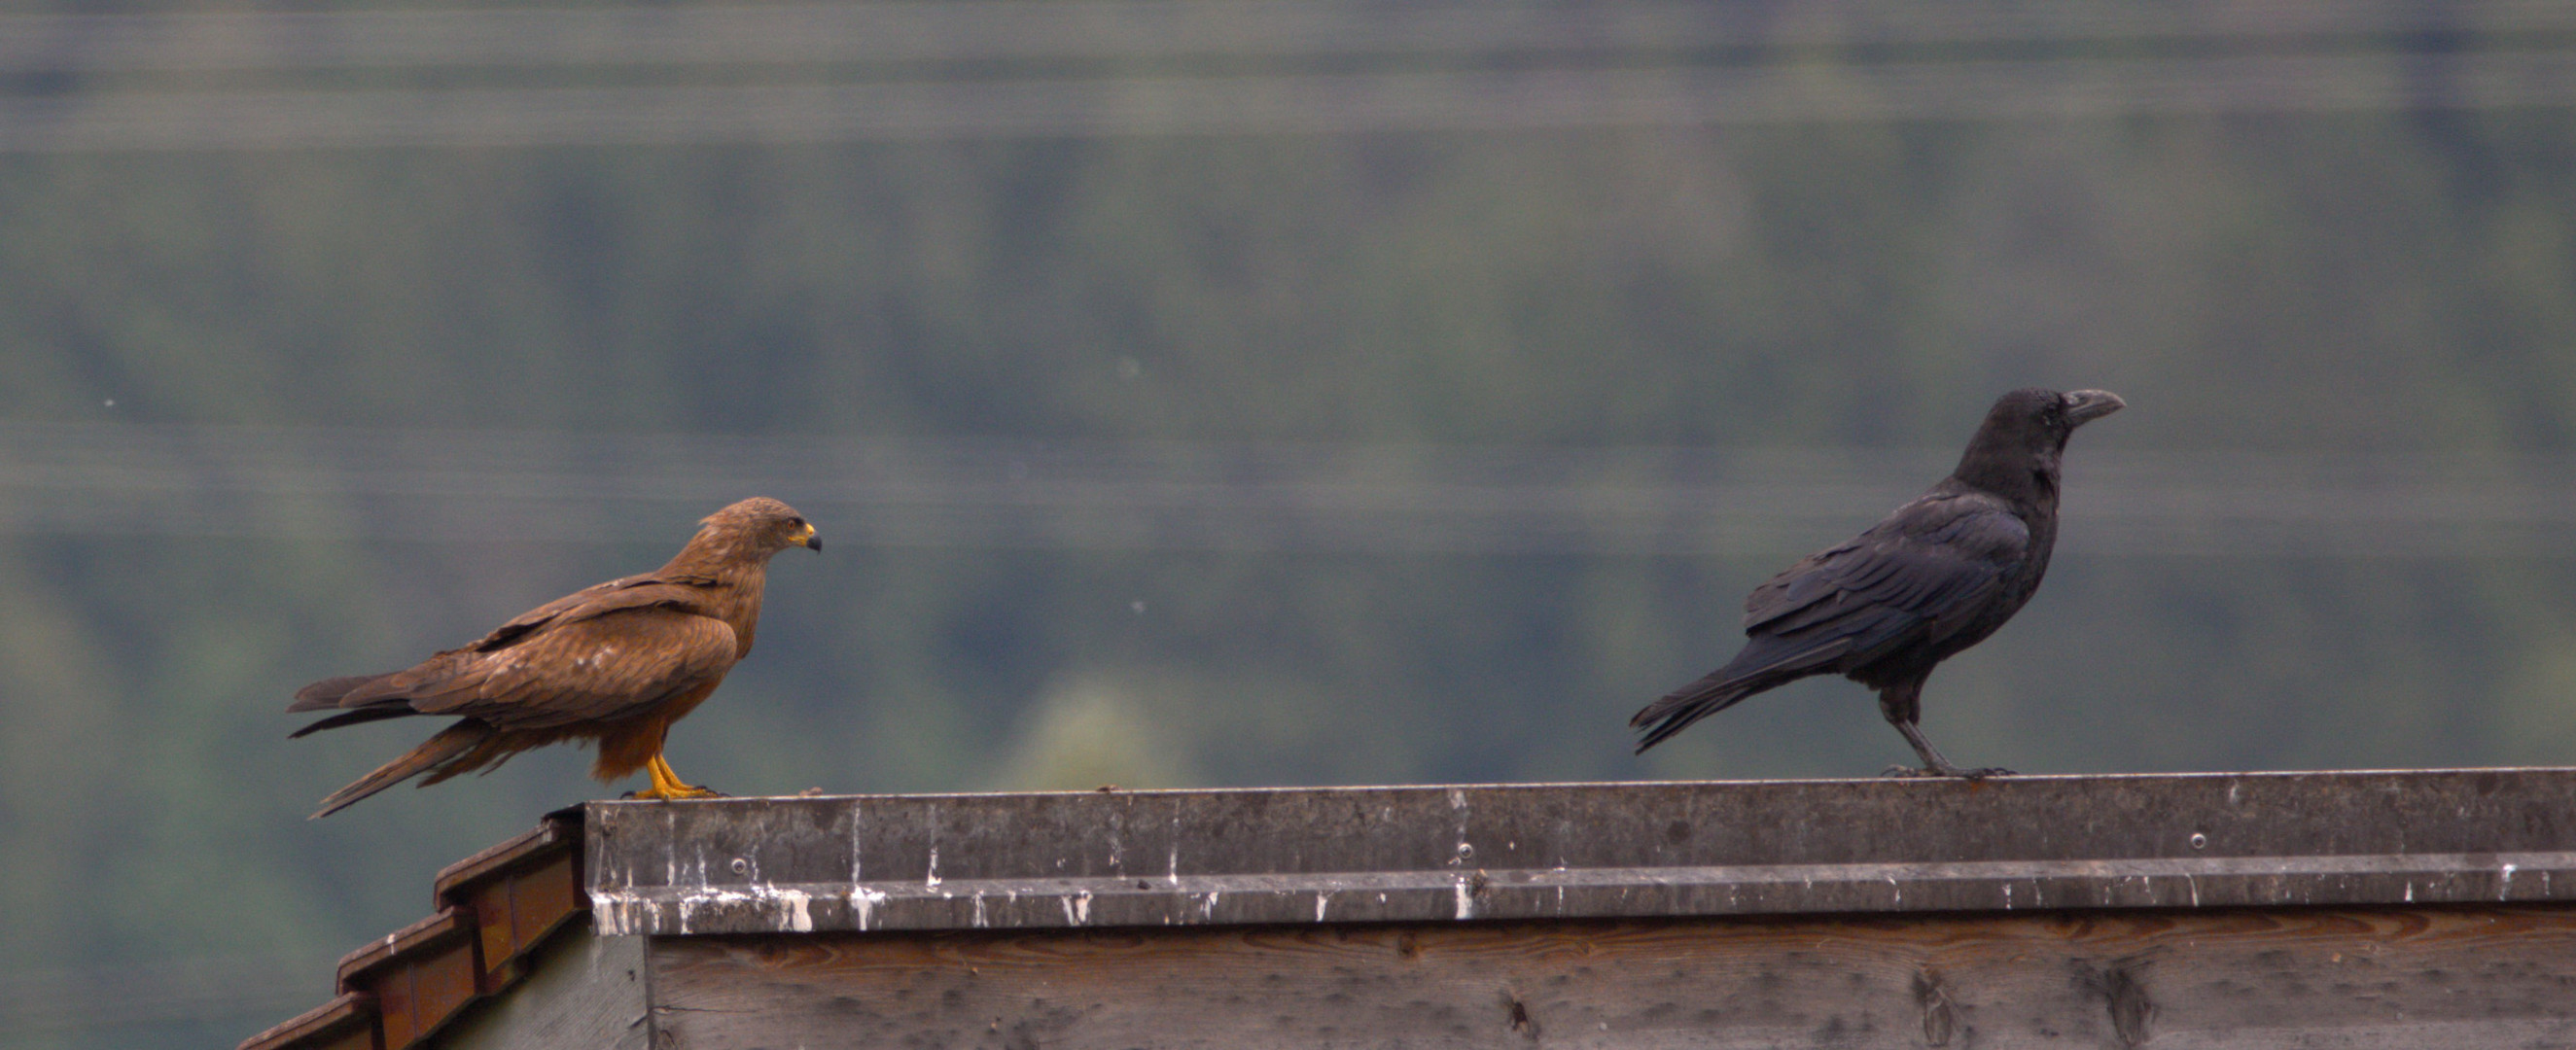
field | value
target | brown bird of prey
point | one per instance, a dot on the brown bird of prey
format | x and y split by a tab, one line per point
1939	575
614	664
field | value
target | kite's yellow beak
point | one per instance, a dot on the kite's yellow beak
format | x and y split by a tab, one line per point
806	537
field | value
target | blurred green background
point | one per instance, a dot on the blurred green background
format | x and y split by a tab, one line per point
1228	393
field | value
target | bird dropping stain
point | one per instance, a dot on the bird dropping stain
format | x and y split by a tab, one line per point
2123	989
1940	1019
1516	1014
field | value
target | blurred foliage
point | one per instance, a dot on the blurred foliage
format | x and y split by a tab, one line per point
2375	282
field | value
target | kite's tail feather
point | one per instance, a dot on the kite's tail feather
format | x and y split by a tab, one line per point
328	692
454	742
363	714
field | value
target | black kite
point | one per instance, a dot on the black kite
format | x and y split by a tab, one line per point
614	664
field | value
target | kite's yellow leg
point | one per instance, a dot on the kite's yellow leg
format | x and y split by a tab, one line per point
667	784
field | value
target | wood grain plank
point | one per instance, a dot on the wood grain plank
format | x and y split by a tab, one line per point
2354	978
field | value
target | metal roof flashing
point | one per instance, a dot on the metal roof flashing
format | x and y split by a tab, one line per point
1609	850
2430	905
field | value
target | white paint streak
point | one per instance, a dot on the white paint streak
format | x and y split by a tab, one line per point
799	910
863	903
1466	901
932	879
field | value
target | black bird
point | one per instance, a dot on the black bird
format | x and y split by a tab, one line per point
1936	577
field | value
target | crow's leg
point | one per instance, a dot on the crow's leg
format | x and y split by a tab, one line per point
1903	705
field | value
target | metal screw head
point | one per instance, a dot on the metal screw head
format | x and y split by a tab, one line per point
741	866
2199	841
1466	851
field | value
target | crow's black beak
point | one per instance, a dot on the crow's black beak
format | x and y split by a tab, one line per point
2085	406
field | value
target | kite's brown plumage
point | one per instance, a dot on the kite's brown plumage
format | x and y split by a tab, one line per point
614	664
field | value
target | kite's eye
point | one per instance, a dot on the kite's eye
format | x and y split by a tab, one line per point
793	521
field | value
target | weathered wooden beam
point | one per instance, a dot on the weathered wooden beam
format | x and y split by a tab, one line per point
495	909
2362	910
347	1022
1334	855
516	894
2469	976
418	976
580	993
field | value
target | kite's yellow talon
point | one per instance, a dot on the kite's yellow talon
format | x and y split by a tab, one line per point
668	786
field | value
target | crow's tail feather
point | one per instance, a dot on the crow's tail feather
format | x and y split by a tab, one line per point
1693	702
1766	662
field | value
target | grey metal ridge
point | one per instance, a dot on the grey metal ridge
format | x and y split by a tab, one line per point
1372	854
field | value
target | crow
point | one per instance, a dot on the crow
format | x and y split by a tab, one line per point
1939	575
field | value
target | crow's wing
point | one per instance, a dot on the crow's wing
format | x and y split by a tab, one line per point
1915	578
